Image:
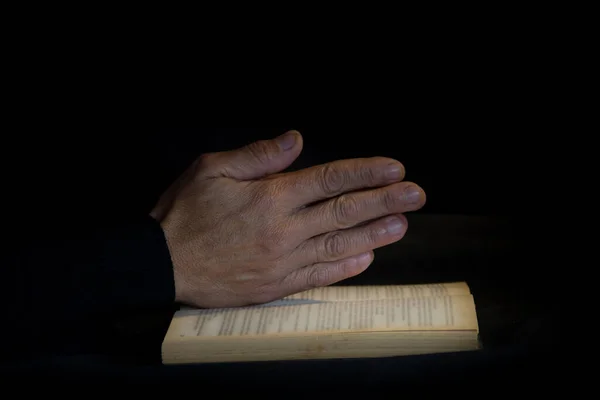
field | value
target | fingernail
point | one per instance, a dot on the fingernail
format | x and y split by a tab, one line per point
287	140
394	225
412	194
393	171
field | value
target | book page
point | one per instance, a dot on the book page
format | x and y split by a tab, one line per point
427	313
344	293
368	292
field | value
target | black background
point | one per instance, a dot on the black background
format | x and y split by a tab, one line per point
470	113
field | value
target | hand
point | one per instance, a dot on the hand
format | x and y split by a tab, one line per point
240	232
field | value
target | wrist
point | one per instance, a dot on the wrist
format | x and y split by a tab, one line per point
180	275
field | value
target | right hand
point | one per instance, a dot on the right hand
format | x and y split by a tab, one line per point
240	232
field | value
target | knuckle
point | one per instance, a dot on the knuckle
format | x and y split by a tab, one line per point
272	239
369	175
203	162
335	245
372	236
332	179
390	200
273	190
261	199
317	277
345	210
266	198
271	243
261	151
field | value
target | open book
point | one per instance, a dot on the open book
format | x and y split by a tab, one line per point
329	322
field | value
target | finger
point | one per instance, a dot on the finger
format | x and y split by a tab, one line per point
255	160
324	274
338	245
355	208
329	180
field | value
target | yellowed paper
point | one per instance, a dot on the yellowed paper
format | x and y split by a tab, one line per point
426	313
345	293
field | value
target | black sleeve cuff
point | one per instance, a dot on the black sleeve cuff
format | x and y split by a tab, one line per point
135	268
110	292
66	286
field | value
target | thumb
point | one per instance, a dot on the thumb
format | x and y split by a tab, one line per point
258	159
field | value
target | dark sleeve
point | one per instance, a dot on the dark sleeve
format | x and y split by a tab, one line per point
89	293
